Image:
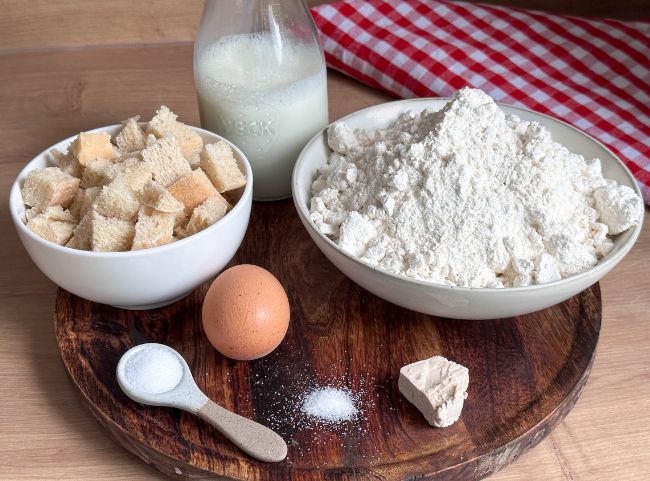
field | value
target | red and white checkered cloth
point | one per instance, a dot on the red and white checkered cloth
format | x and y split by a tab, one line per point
594	74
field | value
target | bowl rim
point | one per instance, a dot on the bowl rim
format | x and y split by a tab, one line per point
603	265
234	212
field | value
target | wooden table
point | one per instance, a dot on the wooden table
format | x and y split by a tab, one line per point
50	93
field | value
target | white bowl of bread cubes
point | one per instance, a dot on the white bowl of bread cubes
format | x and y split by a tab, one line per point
135	215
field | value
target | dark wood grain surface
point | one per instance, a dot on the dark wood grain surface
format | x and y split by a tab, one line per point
526	373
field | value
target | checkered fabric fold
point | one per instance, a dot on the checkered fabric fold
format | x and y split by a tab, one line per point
591	73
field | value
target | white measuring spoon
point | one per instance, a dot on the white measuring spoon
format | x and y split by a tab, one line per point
251	437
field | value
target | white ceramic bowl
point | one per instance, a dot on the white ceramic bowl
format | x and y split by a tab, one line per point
141	279
442	300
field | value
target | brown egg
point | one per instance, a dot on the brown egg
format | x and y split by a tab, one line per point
245	312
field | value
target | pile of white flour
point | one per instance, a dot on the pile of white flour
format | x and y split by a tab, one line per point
468	197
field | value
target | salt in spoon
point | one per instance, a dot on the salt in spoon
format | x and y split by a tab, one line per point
180	391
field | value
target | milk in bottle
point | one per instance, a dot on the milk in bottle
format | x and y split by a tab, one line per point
267	93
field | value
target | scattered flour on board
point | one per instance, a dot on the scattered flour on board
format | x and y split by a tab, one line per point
468	196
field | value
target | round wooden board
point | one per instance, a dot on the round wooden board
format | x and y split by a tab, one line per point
526	373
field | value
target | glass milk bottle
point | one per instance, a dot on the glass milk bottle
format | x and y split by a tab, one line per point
261	83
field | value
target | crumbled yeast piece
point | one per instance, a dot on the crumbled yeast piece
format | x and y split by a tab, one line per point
437	387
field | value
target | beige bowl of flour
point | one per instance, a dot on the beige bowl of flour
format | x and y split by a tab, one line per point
442	300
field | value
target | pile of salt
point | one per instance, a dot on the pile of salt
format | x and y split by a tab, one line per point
330	405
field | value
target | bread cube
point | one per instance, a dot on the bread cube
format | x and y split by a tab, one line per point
102	172
31	213
167	161
157	197
92	146
164	124
154	228
82	235
68	163
128	163
58	213
54	224
221	167
181	219
131	138
82	201
194	160
134	173
206	214
111	235
233	196
47	187
124	156
118	201
98	172
192	190
102	234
